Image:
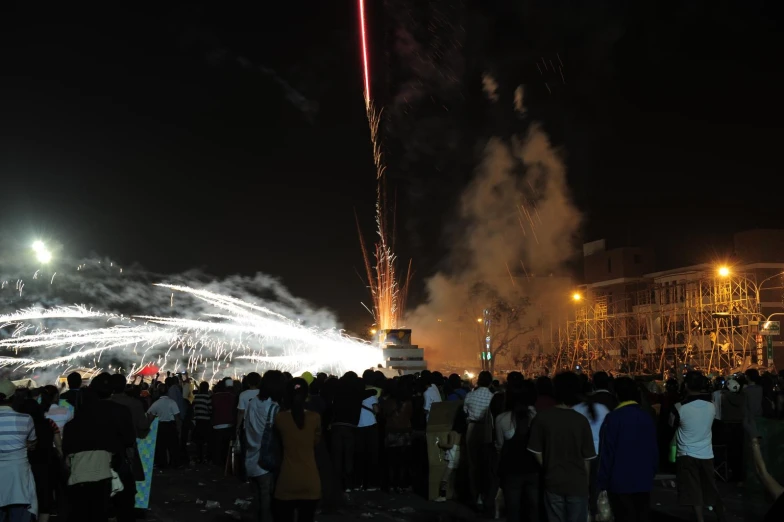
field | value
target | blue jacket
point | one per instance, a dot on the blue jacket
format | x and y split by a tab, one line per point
628	451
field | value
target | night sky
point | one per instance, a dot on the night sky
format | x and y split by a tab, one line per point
233	138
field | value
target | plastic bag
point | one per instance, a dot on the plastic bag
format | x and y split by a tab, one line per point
603	510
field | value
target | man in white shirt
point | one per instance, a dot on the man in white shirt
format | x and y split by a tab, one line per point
366	439
253	380
694	464
169	422
431	395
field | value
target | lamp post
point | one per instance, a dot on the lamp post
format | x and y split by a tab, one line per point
725	272
577	298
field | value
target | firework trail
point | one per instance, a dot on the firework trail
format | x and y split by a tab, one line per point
388	294
239	334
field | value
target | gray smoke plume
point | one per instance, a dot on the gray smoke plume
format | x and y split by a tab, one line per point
518	229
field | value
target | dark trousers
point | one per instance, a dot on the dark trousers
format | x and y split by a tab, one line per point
521	497
480	479
366	457
123	503
220	450
89	501
167	445
185	432
593	490
15	513
343	454
201	438
631	507
295	510
265	484
560	508
399	466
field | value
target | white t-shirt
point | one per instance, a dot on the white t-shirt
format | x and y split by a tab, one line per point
694	436
431	396
256	417
717	403
596	424
366	417
245	397
164	408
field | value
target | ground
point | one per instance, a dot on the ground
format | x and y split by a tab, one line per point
184	495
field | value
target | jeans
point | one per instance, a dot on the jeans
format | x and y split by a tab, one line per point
561	508
264	488
521	496
343	454
15	513
631	507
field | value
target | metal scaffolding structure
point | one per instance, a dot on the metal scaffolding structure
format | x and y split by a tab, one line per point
691	318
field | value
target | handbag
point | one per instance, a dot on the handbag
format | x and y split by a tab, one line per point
271	448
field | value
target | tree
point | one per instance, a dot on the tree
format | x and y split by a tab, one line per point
505	314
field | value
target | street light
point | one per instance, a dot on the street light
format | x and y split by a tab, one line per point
576	297
724	271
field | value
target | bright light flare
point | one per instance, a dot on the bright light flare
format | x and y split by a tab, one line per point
724	271
42	254
576	297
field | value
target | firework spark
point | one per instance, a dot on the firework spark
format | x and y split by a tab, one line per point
388	294
242	330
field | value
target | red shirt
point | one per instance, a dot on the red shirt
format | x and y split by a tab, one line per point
224	408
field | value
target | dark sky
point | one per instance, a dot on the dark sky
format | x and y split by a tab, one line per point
163	135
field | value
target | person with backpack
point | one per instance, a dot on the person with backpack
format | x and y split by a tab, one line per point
259	419
518	469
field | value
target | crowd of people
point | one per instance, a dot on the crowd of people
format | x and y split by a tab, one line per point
564	449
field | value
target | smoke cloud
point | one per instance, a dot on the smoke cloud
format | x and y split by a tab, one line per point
517	229
127	291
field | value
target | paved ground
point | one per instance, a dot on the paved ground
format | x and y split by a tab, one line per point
189	495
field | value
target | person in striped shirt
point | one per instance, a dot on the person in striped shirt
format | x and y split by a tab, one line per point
202	418
18	499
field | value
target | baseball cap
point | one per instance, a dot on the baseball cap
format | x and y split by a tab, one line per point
7	388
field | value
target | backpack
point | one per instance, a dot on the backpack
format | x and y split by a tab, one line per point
271	447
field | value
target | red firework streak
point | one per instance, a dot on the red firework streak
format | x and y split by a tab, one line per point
363	35
389	297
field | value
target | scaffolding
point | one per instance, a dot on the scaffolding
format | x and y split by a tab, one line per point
690	318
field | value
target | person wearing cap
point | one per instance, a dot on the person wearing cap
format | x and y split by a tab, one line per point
18	500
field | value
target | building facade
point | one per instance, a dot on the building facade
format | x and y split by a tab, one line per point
712	316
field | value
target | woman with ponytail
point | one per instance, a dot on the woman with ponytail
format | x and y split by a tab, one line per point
299	487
